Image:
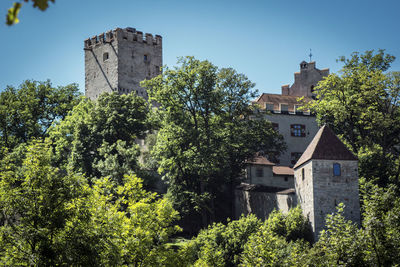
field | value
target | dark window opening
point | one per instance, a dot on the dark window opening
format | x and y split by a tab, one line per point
312	88
286	179
145	58
302	173
105	56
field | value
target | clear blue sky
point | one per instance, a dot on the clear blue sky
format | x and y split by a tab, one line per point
266	39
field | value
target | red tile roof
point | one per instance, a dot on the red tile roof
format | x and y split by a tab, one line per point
325	145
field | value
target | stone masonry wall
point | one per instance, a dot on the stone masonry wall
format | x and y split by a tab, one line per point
262	203
305	190
331	190
119	60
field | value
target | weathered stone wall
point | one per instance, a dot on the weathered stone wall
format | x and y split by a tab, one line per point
305	190
320	192
119	60
304	80
294	144
262	203
101	75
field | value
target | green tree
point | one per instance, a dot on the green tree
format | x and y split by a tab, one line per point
381	224
100	138
12	14
341	244
361	105
219	244
206	135
29	111
283	240
50	218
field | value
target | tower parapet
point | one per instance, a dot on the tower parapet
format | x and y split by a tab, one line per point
127	34
118	60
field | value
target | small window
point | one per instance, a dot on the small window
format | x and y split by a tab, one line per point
312	88
284	108
336	169
269	106
286	179
259	172
298	130
105	56
302	174
145	58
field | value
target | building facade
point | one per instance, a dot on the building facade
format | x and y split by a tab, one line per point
118	60
297	126
326	175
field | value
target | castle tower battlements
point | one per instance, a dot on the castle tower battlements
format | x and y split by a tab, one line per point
118	60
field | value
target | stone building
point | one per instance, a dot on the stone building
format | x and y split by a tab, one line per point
296	126
326	175
118	60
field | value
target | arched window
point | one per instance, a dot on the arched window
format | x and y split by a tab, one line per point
336	169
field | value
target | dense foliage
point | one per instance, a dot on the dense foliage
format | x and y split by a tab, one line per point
69	167
28	111
206	136
362	105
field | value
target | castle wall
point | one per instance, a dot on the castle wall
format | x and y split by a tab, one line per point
305	190
330	190
119	60
294	144
262	203
101	75
320	191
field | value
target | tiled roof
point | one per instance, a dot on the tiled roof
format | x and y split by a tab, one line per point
325	145
282	170
260	160
277	99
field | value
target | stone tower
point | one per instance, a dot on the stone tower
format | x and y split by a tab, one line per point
325	175
305	80
118	60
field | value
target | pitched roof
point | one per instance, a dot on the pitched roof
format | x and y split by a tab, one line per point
260	160
325	145
282	170
277	99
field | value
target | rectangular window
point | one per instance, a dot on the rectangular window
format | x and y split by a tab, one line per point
297	109
259	172
269	106
284	108
294	157
298	130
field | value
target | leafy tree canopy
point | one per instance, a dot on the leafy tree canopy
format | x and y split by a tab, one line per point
208	130
49	217
361	104
28	111
13	12
99	138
